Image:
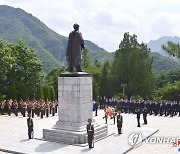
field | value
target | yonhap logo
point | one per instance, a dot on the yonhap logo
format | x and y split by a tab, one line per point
135	139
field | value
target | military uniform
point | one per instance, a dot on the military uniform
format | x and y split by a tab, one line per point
138	117
145	116
119	123
30	127
90	133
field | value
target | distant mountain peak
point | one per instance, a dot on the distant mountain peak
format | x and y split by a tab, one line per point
155	45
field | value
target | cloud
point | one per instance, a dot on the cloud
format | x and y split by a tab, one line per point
105	21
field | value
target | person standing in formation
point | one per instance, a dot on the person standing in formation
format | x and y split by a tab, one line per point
145	116
119	122
30	126
138	117
90	133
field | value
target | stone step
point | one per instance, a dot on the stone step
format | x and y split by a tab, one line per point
99	131
60	139
70	137
60	136
99	136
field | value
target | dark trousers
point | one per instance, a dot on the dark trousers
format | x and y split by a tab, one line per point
90	138
38	111
96	112
23	112
50	110
53	111
2	111
47	112
42	113
138	121
119	130
33	111
9	112
16	112
114	117
105	119
30	131
145	119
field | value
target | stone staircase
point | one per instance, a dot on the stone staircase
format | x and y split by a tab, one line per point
72	137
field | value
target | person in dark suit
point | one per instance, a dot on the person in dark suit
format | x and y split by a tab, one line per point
30	126
138	117
90	133
119	122
145	116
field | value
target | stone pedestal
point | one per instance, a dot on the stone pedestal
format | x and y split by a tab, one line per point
75	108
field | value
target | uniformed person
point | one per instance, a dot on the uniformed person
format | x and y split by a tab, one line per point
30	126
47	108
90	133
33	108
2	106
42	108
138	117
15	104
53	108
119	122
9	105
145	116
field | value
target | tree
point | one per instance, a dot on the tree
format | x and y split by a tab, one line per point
46	91
133	66
28	67
105	87
172	49
165	77
12	92
170	92
86	58
20	66
95	90
52	93
7	62
23	92
39	93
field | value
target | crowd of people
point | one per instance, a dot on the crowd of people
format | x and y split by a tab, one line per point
166	108
36	107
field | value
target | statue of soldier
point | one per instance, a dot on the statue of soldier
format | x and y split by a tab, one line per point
74	49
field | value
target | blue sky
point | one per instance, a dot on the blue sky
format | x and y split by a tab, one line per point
105	21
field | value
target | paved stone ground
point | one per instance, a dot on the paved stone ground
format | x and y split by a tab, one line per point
13	136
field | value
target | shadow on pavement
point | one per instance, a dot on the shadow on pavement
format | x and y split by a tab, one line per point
86	150
24	140
49	147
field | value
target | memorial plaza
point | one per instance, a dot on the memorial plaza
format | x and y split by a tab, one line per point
14	136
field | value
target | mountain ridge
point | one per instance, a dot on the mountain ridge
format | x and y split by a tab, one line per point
50	46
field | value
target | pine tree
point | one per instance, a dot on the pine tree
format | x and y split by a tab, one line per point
133	66
105	89
39	94
86	58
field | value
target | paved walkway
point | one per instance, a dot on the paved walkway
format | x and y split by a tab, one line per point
13	136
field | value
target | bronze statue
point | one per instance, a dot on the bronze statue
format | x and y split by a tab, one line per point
74	49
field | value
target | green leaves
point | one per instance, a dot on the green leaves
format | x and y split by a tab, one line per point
132	66
20	70
172	48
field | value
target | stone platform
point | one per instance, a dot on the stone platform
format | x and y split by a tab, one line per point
75	108
73	137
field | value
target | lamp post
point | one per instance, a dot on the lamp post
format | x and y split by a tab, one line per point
123	86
